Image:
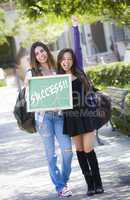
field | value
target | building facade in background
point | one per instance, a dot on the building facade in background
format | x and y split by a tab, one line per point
100	42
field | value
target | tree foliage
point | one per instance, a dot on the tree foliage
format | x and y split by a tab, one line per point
7	25
45	28
3	31
48	15
118	10
40	30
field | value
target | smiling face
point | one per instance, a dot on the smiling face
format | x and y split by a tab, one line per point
41	55
66	62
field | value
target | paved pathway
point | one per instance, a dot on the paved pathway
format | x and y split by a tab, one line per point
23	169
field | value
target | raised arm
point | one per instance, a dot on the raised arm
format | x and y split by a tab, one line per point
77	46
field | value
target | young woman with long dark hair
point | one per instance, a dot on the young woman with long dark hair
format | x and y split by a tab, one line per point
49	124
79	124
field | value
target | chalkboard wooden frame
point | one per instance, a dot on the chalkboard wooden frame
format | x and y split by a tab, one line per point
54	89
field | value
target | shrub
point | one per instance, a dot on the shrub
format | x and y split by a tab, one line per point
117	75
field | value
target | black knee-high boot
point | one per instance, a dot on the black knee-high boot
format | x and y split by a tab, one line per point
93	162
86	172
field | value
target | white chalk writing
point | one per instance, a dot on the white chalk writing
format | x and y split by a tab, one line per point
48	91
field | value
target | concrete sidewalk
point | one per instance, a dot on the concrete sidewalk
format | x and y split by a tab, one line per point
24	172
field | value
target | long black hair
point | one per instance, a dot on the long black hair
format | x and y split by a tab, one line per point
75	70
60	58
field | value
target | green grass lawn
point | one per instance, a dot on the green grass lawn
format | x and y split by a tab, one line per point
2	83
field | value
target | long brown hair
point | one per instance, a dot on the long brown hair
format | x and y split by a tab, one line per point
74	69
33	61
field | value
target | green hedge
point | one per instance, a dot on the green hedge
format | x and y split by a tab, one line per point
122	122
117	75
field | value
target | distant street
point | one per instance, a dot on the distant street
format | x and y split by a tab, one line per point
23	168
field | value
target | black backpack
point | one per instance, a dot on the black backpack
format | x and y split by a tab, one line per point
25	120
98	103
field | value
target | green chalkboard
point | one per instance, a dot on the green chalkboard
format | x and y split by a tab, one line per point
49	93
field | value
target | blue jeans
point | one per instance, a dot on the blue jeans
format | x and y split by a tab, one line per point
53	128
